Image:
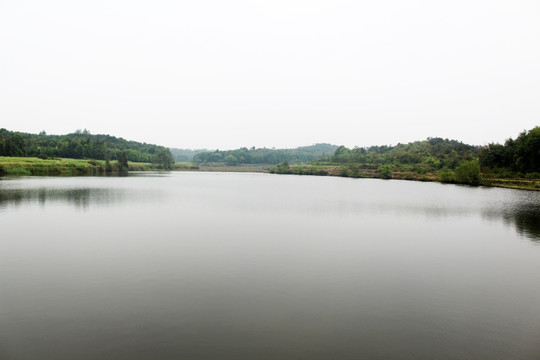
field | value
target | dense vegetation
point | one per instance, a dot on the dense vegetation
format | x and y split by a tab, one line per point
82	145
434	153
419	160
265	156
514	164
26	166
519	157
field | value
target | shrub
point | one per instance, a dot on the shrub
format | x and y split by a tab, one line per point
38	171
284	168
468	172
446	176
231	160
355	171
53	171
385	172
409	176
108	166
18	172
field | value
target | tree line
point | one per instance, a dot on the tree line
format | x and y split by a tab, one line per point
435	153
520	156
432	159
515	159
82	145
265	155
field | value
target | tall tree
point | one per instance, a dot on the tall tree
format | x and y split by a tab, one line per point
123	162
164	159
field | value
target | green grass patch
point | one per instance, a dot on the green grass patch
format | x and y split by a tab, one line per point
220	167
184	166
27	166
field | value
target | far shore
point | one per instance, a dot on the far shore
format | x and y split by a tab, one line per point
29	166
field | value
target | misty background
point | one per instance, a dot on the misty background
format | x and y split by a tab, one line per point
215	74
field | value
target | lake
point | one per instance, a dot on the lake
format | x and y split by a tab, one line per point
259	266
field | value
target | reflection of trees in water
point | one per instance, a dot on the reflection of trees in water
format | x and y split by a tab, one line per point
525	217
80	197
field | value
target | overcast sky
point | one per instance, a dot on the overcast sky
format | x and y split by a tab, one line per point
226	74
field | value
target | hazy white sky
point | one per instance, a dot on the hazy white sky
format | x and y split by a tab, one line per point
226	74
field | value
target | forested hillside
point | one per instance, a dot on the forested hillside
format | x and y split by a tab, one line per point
521	155
80	145
266	156
516	158
433	152
514	164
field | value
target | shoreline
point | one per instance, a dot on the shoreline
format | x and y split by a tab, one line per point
29	166
429	176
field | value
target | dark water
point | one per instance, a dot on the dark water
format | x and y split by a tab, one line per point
254	266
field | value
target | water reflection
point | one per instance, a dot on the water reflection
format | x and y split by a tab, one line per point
523	214
242	266
526	220
519	209
78	197
80	192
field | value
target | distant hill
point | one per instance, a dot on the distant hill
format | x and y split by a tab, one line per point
79	145
516	164
265	155
515	159
185	155
435	152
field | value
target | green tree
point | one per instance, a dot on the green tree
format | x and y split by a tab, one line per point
468	172
284	168
527	151
344	172
164	159
355	171
446	176
495	156
231	160
123	162
385	172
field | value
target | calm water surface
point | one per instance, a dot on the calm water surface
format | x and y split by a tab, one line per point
257	266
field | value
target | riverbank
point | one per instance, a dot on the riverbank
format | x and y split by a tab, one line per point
33	166
220	167
384	172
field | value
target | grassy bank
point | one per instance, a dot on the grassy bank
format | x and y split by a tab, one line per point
31	166
220	167
416	173
184	166
521	184
28	166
